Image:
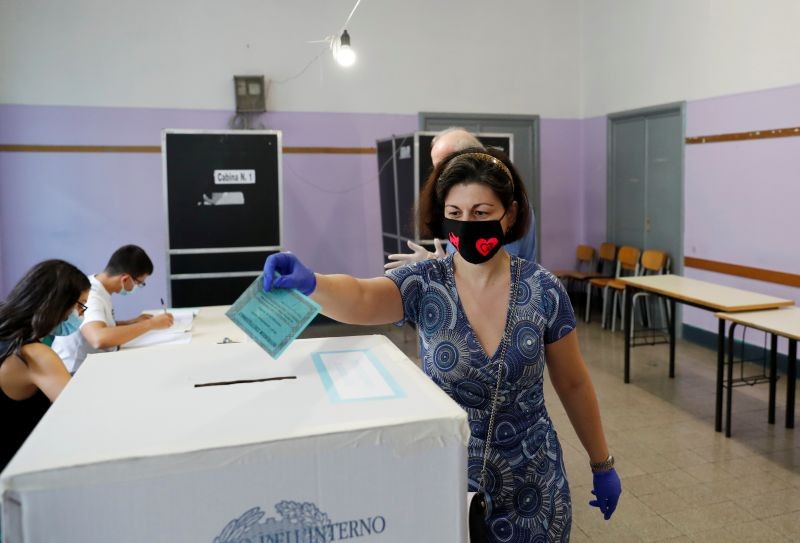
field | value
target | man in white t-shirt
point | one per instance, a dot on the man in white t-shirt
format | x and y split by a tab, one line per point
127	269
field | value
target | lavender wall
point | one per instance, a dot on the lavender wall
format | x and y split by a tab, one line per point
742	198
594	155
561	212
81	206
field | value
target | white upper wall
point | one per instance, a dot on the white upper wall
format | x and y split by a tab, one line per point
557	58
646	52
518	56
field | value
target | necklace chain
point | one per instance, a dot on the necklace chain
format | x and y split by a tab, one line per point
500	363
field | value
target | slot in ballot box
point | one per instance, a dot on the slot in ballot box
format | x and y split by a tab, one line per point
354	442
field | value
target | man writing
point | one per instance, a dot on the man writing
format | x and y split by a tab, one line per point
126	271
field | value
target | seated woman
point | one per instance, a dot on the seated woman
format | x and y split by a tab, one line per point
489	322
46	301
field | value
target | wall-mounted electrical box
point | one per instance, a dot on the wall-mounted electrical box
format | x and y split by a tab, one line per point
251	93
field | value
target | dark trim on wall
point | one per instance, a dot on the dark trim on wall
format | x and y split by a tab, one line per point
80	148
14	148
332	150
707	339
742	136
759	274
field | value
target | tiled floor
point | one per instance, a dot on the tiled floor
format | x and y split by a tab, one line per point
682	481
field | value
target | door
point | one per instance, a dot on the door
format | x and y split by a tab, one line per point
525	129
645	184
645	180
628	179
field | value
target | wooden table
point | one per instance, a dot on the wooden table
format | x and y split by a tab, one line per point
778	323
700	294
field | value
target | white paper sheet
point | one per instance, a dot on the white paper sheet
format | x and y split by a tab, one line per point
159	337
184	319
183	322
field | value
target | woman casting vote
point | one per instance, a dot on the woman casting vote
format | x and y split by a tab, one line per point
48	300
489	322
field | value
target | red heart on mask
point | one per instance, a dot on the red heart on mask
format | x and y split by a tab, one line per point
485	246
454	240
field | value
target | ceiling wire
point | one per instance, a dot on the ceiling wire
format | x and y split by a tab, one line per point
328	41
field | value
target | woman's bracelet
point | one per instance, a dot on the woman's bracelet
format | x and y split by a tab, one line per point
605	465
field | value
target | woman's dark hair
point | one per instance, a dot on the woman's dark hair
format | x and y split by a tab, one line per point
473	165
38	302
130	259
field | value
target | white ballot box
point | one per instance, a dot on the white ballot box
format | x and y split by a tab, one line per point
349	440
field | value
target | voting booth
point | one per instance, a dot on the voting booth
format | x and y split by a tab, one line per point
404	164
339	438
222	191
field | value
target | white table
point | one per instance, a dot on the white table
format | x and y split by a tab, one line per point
700	294
778	323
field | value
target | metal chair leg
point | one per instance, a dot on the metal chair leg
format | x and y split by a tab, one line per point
614	312
605	307
588	301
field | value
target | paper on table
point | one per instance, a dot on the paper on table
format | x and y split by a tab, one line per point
182	323
183	319
159	337
272	319
193	311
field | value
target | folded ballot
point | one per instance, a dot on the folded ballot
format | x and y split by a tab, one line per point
272	319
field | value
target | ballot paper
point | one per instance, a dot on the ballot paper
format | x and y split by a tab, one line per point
177	334
159	337
272	319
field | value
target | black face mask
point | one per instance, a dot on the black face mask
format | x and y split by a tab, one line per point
475	241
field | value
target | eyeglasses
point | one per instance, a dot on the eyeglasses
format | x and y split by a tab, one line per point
140	284
83	306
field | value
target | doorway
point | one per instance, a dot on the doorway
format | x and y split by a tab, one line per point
645	180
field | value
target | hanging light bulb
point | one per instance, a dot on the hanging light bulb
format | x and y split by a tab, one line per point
344	54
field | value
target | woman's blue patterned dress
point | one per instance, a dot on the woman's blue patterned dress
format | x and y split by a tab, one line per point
526	485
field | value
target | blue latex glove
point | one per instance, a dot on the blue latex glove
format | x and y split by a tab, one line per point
607	488
293	274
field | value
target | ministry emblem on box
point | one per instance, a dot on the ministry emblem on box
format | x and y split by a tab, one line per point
298	523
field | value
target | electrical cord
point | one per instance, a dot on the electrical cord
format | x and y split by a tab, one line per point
328	41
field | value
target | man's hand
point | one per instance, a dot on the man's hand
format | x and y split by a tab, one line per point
161	321
142	317
419	254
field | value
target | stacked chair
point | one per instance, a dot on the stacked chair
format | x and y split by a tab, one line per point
653	262
585	269
627	265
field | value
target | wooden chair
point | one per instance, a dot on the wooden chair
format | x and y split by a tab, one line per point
627	264
653	263
584	256
606	263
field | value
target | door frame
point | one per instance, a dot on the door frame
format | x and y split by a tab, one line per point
533	121
673	107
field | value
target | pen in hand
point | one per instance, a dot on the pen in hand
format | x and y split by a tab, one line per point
163	306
